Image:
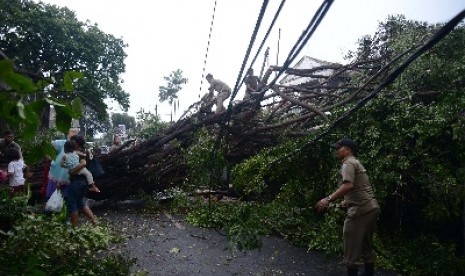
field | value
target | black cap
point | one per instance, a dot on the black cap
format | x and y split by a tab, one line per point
345	142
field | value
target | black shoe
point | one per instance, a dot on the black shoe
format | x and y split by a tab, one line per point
352	271
369	269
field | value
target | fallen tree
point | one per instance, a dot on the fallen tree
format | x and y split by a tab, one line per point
279	111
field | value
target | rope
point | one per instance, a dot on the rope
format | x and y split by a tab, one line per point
208	47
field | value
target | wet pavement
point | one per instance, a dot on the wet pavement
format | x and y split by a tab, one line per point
163	244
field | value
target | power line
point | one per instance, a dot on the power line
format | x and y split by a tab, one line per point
298	46
261	45
249	49
268	32
208	47
431	42
303	39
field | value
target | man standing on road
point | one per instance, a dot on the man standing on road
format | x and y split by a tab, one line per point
224	91
362	208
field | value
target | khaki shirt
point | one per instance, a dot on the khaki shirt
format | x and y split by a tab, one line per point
252	82
217	85
353	171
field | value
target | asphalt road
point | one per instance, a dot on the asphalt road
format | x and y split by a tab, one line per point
164	244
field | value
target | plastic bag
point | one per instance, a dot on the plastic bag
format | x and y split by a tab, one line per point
55	202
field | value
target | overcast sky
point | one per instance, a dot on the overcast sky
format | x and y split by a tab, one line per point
165	35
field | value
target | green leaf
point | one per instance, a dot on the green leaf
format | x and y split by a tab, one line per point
20	108
39	151
63	118
41	84
76	107
6	67
54	102
17	82
32	116
70	77
37	106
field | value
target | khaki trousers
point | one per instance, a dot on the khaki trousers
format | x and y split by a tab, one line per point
220	98
358	237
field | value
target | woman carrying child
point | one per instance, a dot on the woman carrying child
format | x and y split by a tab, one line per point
77	190
72	158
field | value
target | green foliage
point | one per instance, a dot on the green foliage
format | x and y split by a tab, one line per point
17	109
32	244
425	255
45	40
174	84
11	208
411	140
241	222
327	233
205	160
123	119
274	171
248	176
148	125
38	244
181	203
15	81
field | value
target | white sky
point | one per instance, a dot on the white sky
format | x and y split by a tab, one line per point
165	35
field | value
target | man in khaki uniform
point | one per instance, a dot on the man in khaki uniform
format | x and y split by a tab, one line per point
252	84
362	209
223	92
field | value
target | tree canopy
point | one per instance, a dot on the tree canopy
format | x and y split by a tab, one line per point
123	119
174	84
47	41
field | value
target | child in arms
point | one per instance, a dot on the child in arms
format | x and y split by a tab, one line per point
71	159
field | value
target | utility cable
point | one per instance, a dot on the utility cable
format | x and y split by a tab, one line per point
303	39
208	47
434	39
222	125
297	48
249	49
267	34
314	23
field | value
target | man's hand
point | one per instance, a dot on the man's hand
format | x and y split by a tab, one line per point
322	205
78	168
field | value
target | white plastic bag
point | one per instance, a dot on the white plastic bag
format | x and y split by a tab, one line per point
55	202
